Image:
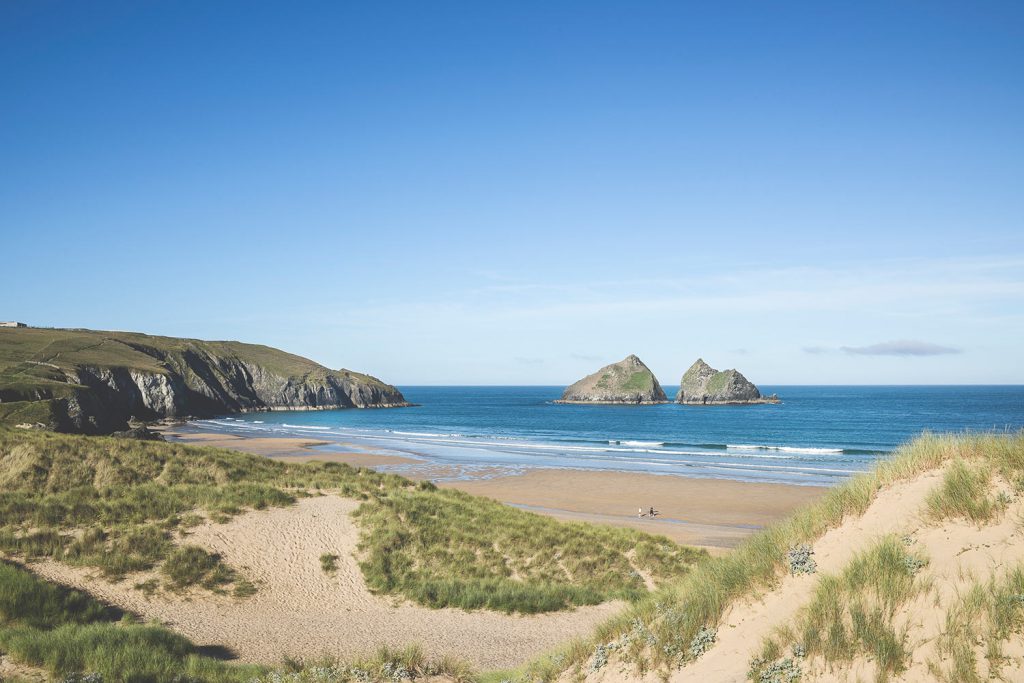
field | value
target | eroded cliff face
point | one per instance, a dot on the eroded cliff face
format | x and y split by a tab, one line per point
194	382
703	385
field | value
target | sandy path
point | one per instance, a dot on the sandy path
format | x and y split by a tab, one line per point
301	611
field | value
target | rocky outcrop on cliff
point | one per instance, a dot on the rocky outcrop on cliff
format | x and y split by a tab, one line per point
627	382
95	382
703	385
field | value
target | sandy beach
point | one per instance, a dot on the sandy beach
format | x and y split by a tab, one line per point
712	513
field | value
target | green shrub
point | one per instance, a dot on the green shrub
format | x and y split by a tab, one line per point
329	563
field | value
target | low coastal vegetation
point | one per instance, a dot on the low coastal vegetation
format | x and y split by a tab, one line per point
121	505
447	548
64	632
69	635
978	625
851	614
125	507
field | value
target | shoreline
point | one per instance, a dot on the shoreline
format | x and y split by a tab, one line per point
712	513
283	448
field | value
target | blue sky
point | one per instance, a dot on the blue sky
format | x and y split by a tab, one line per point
517	193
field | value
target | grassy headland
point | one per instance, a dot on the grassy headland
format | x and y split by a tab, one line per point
93	381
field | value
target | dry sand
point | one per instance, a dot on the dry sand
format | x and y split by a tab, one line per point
705	512
302	611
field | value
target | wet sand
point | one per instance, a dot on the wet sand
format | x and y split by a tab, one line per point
285	449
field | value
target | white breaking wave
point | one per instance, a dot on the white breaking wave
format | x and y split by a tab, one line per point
316	429
784	449
424	434
646	444
445	440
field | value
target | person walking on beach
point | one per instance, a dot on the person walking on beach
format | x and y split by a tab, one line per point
640	513
653	511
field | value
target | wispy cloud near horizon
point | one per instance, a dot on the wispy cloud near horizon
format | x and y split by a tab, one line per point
902	347
816	349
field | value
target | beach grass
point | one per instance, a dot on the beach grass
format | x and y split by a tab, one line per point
63	631
118	504
446	548
123	506
964	493
68	635
852	614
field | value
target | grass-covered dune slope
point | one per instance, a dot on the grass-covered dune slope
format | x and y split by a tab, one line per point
94	382
124	507
911	572
53	633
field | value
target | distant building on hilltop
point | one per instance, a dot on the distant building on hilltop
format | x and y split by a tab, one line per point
11	323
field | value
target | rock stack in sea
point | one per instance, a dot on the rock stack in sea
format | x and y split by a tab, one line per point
627	382
703	385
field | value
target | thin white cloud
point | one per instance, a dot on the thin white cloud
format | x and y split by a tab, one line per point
816	349
902	347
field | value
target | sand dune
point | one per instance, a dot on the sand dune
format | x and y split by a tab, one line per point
960	554
301	611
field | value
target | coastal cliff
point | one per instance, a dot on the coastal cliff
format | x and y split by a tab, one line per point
703	385
94	382
627	382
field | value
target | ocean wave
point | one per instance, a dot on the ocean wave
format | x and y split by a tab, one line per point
649	444
784	449
315	429
445	440
427	434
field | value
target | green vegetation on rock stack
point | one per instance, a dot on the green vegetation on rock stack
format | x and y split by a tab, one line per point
703	385
94	382
629	381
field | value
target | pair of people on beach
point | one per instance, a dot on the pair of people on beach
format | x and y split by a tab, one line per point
652	512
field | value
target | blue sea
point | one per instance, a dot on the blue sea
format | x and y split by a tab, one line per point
817	435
